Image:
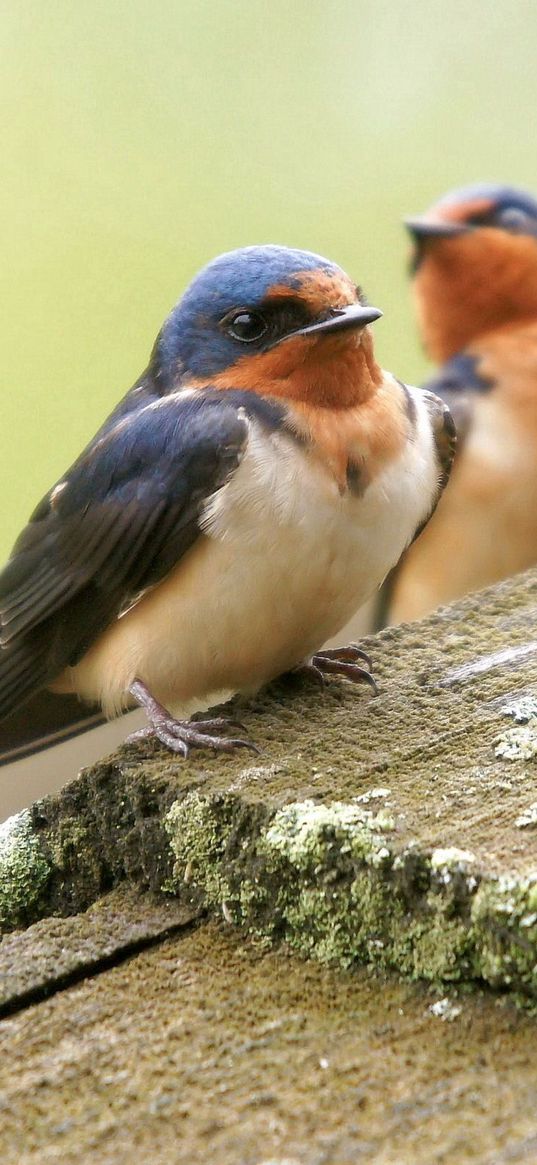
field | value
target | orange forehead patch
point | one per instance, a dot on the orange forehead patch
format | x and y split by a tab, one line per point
462	211
317	290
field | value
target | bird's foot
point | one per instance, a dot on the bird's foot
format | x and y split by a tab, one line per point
182	735
307	671
343	661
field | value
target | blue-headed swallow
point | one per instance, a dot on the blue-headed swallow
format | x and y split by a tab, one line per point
475	287
242	501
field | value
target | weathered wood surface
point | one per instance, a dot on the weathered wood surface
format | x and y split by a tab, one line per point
398	832
209	1048
56	952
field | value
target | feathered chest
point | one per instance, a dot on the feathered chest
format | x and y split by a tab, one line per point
285	559
285	508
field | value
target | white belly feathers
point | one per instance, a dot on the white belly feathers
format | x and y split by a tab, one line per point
283	563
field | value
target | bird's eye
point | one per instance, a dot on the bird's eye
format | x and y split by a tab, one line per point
246	326
513	219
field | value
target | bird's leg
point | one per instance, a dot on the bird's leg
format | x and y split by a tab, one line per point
343	661
182	735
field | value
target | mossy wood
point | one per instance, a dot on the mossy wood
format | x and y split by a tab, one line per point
399	831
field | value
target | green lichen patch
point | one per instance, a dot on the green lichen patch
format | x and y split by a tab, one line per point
504	920
451	862
24	870
199	833
298	832
331	881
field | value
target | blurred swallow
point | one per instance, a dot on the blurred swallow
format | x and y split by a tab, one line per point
475	288
242	501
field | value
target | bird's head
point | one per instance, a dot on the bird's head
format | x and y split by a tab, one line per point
474	264
270	320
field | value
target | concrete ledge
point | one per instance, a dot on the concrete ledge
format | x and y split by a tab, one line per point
399	831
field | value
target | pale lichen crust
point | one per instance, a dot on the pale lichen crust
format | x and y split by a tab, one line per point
24	870
329	881
519	743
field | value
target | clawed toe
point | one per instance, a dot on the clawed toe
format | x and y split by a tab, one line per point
140	734
359	653
182	735
349	654
343	661
219	724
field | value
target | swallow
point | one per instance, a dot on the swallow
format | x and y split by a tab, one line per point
474	268
247	495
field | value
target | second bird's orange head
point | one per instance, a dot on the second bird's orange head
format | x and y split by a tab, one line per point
474	265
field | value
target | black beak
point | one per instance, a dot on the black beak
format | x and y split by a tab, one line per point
342	319
426	228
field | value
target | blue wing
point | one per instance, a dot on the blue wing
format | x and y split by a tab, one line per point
123	517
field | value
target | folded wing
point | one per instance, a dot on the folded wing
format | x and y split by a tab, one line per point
123	517
458	382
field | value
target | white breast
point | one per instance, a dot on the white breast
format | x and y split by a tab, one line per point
284	562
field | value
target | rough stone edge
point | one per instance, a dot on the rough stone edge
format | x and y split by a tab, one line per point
328	880
66	851
108	824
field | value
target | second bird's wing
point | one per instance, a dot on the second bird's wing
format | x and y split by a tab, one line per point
120	520
458	382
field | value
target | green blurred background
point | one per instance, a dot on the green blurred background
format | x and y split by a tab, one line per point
142	138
